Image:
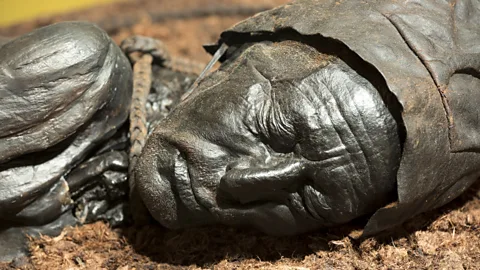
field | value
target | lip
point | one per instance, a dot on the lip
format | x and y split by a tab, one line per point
188	211
307	209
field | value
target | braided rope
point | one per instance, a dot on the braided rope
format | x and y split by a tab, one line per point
143	51
142	81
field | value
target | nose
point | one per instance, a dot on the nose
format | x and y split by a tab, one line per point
163	182
152	183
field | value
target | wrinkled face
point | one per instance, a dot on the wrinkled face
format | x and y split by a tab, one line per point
252	146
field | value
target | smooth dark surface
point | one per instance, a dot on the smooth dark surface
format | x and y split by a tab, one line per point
94	187
218	158
57	76
65	89
64	92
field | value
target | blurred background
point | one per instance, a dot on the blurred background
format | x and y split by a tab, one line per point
17	11
451	241
184	25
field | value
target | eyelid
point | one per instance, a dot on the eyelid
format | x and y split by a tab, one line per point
255	181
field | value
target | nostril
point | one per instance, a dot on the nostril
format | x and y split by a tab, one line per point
165	156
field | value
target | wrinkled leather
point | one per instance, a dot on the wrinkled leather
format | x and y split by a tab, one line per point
281	137
64	89
427	53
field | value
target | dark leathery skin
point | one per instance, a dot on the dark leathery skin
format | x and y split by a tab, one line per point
94	189
39	87
143	51
47	207
65	90
423	57
61	101
427	53
285	152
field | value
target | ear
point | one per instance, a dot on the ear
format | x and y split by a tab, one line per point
253	180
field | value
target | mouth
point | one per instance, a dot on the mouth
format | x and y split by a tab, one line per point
180	204
186	187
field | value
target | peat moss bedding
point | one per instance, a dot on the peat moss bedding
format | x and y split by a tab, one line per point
448	238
